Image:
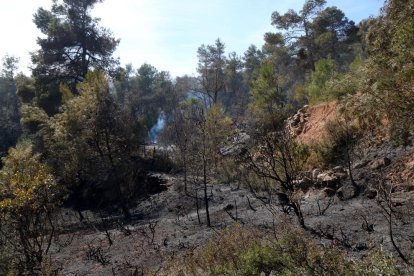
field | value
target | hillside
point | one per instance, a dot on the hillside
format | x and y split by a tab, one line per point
308	124
294	156
167	226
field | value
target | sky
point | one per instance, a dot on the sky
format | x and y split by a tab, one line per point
165	33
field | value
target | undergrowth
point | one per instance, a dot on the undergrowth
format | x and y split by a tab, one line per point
248	251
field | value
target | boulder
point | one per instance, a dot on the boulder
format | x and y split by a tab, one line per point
303	109
341	175
329	179
347	192
327	176
339	169
315	173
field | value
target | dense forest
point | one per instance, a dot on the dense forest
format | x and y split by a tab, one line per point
86	136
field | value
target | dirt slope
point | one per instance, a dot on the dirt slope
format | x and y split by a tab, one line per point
314	121
308	127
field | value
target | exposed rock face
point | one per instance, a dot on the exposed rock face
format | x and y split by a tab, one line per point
327	178
331	178
297	123
238	145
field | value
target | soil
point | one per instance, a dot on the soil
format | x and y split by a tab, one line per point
314	128
165	226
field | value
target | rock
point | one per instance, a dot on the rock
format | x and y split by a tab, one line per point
298	130
327	192
303	183
315	173
370	193
303	120
327	176
297	122
339	169
306	174
379	163
303	109
341	175
347	192
328	179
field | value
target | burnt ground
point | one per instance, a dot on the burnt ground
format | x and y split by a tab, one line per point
165	226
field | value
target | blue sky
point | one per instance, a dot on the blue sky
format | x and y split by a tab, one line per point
167	33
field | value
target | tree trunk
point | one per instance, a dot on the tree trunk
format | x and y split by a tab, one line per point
205	191
205	179
299	214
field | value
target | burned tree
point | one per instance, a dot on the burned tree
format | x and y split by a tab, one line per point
279	159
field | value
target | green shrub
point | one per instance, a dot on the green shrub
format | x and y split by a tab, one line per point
228	171
339	142
247	251
378	264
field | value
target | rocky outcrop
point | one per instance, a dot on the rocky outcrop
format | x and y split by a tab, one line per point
237	146
331	178
297	123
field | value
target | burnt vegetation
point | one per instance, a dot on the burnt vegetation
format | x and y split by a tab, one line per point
139	171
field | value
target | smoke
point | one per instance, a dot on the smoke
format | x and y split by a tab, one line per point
156	129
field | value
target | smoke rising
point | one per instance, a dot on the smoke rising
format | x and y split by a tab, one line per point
156	129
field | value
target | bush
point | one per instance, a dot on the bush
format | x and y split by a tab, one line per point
247	251
228	171
29	194
339	142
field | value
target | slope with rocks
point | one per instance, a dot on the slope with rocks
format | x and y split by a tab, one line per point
373	153
167	226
